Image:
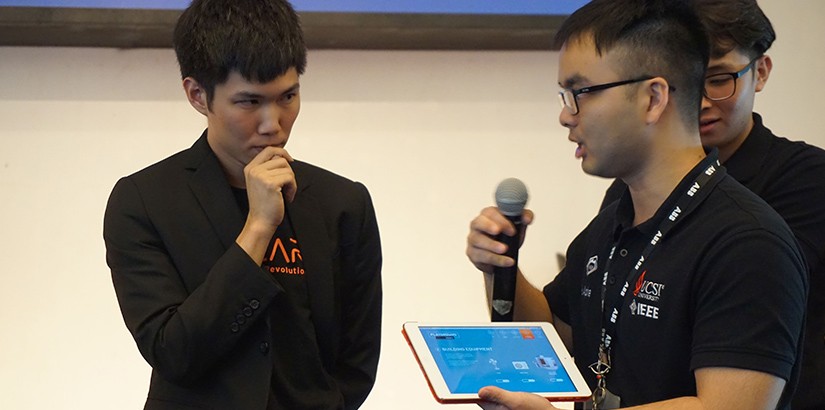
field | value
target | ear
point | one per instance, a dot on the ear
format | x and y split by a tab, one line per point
196	95
657	96
763	71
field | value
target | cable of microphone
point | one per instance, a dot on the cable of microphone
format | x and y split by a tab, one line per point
511	196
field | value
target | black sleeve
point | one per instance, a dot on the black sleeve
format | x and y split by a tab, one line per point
562	292
749	305
181	332
798	195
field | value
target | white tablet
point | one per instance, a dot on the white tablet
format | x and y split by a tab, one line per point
459	359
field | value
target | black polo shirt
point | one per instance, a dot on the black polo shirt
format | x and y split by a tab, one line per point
725	287
790	177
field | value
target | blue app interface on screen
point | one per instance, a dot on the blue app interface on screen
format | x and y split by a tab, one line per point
513	358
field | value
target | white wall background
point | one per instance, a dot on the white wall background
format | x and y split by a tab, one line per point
430	133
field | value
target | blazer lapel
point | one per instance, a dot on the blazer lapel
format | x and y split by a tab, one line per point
317	253
209	185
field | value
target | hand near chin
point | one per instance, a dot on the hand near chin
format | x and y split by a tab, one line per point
500	399
269	182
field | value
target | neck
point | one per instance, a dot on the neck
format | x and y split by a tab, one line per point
235	180
651	186
231	168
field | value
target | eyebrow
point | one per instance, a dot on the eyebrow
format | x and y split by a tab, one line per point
569	82
295	87
249	94
723	67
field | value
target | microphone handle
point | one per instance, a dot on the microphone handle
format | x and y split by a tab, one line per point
504	279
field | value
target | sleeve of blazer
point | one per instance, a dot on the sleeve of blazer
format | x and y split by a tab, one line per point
361	297
184	321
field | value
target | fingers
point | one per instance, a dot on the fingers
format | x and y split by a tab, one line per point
527	217
270	182
493	397
500	399
482	248
485	252
269	153
289	189
271	169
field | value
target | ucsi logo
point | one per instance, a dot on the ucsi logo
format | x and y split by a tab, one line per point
649	290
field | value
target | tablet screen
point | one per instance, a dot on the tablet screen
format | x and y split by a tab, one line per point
517	358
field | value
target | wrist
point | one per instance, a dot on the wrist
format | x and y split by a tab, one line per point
254	238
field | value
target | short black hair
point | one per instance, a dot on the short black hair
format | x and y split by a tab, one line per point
733	24
662	38
260	39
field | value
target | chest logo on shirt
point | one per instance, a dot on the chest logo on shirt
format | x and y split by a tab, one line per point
642	309
283	261
646	289
592	264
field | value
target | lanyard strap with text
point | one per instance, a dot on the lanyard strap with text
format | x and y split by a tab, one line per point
608	331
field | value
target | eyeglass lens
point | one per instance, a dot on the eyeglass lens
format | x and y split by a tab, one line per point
720	86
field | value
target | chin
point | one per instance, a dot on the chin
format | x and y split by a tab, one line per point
710	139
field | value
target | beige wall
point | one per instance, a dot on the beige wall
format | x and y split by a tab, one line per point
430	133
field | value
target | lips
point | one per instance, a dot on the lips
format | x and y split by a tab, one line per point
707	125
579	146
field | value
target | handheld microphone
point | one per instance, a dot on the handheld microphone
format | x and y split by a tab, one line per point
511	196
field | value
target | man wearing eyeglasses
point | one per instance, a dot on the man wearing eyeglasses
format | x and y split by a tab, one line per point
788	175
689	291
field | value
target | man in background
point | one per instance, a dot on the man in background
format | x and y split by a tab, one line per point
248	279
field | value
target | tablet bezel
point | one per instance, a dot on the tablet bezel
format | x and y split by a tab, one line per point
438	386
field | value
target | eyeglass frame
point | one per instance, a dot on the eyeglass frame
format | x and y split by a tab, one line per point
735	76
593	88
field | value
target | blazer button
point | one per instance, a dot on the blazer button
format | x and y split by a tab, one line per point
247	311
254	304
241	319
264	347
235	327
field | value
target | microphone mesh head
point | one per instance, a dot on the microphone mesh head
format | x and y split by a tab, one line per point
511	196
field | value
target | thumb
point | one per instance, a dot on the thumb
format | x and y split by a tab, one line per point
494	397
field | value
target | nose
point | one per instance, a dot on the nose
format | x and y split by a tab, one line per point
706	103
566	119
270	119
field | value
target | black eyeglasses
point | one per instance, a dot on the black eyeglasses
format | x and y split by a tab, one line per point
722	86
569	98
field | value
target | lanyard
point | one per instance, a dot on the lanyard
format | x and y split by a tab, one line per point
608	329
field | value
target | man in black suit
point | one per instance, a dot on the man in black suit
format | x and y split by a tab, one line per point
248	279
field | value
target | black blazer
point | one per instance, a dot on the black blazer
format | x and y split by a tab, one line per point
196	303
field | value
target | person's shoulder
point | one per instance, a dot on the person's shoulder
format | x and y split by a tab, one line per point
326	184
317	173
794	152
736	208
174	161
174	164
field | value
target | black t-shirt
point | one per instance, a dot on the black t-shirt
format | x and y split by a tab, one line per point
299	380
724	288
